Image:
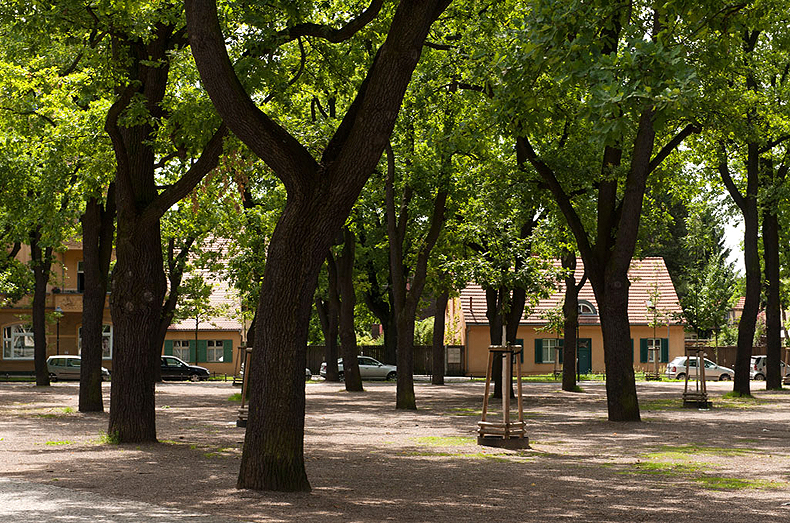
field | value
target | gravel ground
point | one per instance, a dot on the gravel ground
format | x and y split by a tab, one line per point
368	462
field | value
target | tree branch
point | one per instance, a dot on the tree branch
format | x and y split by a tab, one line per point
325	32
290	161
208	161
672	145
563	200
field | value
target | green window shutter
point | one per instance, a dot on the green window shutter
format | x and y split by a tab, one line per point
192	352
632	351
562	345
227	346
202	350
168	347
538	350
643	350
664	350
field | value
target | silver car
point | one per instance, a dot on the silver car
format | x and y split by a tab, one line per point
676	370
757	367
369	369
68	368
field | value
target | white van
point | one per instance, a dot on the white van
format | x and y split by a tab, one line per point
68	368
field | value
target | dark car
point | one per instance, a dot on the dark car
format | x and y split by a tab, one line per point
176	369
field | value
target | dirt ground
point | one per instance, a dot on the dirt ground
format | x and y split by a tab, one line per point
368	462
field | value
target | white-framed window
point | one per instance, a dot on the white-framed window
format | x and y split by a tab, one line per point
653	349
215	351
586	308
181	349
550	346
18	342
106	342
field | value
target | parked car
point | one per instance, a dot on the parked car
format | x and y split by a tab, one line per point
757	367
68	368
177	369
676	369
369	369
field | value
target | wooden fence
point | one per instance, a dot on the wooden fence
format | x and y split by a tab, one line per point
722	355
454	358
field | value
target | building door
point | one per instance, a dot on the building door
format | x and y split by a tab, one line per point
584	353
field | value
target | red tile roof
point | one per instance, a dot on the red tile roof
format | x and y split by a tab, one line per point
222	298
647	276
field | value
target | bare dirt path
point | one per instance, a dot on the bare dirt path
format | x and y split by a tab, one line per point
368	462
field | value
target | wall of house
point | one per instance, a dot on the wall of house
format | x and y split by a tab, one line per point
478	340
229	339
62	336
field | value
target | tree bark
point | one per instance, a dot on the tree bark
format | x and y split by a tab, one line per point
139	282
437	350
570	309
348	301
42	264
406	298
749	208
320	198
329	315
773	313
98	230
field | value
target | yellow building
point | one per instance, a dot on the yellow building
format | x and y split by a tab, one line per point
656	330
218	338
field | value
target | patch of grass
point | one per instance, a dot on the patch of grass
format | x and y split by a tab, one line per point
720	483
445	441
54	413
662	404
235	397
666	468
109	438
685	452
56	443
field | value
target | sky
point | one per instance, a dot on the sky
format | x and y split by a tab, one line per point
733	237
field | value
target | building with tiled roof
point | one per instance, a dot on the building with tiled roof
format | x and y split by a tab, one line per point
656	331
215	346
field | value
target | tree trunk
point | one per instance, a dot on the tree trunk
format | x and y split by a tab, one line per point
276	433
329	313
42	263
437	365
139	287
98	230
320	198
495	321
348	301
773	319
570	309
620	382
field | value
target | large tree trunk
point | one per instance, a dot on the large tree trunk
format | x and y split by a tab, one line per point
437	350
139	286
348	301
570	309
320	198
276	433
773	318
329	315
98	230
749	208
42	263
620	382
